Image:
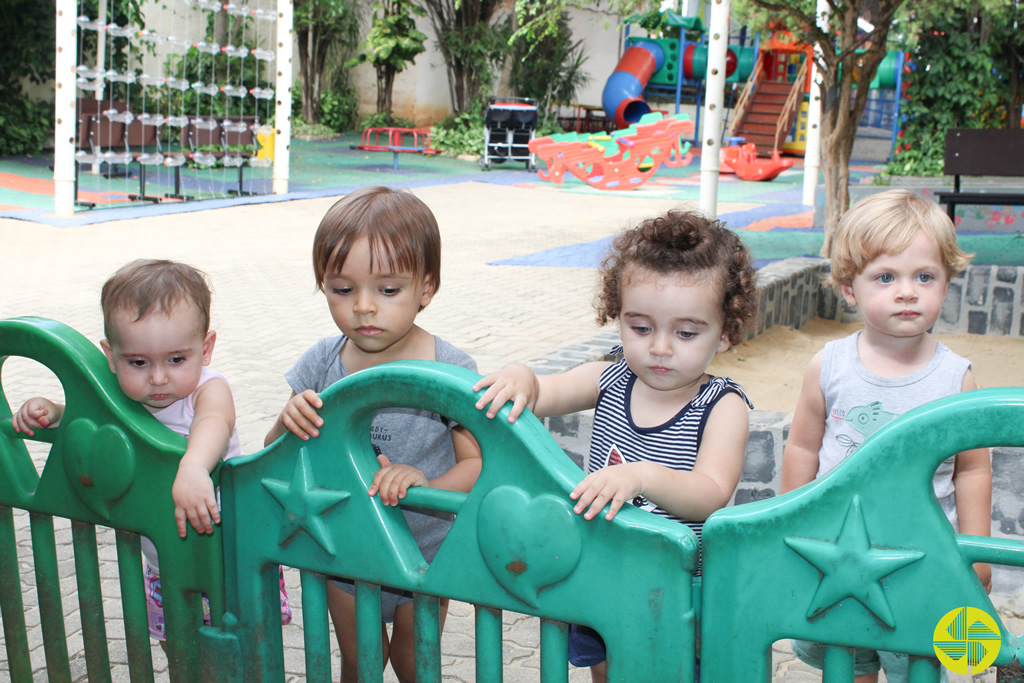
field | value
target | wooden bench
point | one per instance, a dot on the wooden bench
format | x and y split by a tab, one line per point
982	152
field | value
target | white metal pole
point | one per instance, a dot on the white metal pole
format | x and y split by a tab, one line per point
64	110
283	96
714	104
101	56
812	150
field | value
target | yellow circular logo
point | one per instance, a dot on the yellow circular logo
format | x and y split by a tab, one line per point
966	640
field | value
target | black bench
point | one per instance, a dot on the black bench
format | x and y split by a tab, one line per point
982	152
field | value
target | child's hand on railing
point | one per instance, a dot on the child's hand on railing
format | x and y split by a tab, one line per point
195	500
37	413
393	481
515	383
300	417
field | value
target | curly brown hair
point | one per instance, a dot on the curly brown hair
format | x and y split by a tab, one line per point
683	243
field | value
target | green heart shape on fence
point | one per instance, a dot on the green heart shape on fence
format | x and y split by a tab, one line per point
99	464
528	544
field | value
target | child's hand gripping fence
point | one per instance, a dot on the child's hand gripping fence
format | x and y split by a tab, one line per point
111	464
515	545
862	557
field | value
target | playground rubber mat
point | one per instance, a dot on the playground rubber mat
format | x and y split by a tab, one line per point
776	226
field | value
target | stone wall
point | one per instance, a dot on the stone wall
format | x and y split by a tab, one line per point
983	300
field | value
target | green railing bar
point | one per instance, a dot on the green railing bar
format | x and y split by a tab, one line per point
51	611
371	652
427	630
12	609
440	500
554	651
923	670
992	550
317	633
838	666
43	435
133	606
90	601
488	644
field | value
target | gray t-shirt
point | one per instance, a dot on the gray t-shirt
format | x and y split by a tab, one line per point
406	436
858	403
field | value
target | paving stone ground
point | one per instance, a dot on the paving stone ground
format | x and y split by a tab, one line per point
267	313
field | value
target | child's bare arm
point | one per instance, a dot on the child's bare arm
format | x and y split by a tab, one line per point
393	481
298	417
546	395
972	483
37	413
692	495
195	500
800	457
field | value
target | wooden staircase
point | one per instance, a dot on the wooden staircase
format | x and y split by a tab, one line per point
767	110
762	115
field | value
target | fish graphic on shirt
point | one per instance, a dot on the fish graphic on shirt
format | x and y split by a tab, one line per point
867	420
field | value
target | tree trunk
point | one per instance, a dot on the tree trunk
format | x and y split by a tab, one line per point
844	103
385	83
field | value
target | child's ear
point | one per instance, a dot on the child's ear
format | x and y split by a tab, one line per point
211	339
108	351
723	343
849	295
428	292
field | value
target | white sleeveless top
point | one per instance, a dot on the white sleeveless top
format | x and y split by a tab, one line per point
178	417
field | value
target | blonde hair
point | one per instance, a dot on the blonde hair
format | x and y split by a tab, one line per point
147	285
886	223
400	228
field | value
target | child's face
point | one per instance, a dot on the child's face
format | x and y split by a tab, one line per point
671	328
375	308
901	295
159	359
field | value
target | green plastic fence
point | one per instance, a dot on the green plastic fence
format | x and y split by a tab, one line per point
515	545
863	557
111	464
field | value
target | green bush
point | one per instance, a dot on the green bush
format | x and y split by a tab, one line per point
459	134
340	110
25	124
386	120
953	86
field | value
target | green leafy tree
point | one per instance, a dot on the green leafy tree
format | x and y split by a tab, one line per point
539	18
549	69
473	42
392	43
324	29
953	85
847	56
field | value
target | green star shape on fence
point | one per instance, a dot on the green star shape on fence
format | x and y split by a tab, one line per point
304	504
851	567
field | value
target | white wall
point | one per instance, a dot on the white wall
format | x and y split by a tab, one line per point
601	34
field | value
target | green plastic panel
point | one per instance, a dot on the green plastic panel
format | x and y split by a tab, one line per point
862	557
515	543
111	463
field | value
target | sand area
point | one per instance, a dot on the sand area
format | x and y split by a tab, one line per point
771	366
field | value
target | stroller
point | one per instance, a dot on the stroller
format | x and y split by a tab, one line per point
509	125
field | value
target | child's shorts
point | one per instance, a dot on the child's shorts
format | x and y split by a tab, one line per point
865	661
155	603
389	599
586	646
